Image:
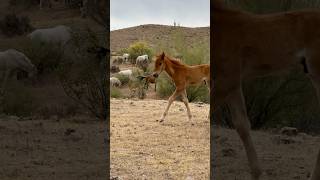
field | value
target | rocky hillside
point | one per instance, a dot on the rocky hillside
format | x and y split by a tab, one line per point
154	34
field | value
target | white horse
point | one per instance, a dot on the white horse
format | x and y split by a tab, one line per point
142	62
12	61
125	57
59	34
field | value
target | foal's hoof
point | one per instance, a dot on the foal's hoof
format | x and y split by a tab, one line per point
161	120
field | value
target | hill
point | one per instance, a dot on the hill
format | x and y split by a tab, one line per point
154	34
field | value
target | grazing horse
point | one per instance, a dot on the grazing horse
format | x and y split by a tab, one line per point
148	79
182	76
11	62
246	45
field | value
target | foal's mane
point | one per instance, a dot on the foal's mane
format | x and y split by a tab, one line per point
175	62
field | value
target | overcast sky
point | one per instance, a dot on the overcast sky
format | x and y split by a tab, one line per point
189	13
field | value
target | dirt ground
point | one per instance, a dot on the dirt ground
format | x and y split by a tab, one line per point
281	157
144	148
66	149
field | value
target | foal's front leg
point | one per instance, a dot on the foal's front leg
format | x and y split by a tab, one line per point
171	99
242	125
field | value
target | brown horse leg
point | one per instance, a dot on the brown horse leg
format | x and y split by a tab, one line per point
242	125
208	85
316	170
171	99
316	83
186	102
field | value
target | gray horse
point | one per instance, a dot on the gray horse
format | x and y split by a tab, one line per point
12	61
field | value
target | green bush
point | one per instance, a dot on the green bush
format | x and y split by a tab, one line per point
198	94
123	79
136	85
45	56
24	3
12	25
281	101
138	49
165	86
115	93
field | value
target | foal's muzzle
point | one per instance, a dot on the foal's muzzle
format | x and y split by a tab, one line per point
155	75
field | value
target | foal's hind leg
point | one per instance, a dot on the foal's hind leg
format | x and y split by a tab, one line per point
186	102
316	83
316	170
242	125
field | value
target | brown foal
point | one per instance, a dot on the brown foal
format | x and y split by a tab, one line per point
182	76
246	45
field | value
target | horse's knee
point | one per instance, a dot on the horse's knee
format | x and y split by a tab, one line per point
243	128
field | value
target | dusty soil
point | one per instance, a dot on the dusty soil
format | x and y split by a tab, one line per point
155	34
143	148
52	149
55	148
281	157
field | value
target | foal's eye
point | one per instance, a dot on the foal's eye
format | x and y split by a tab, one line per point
160	63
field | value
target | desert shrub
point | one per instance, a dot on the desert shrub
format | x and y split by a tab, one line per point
197	53
115	93
12	25
165	86
123	79
136	85
198	93
74	3
24	3
122	51
84	77
45	56
138	49
280	101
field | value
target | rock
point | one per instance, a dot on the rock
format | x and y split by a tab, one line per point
69	131
289	131
115	178
284	140
303	135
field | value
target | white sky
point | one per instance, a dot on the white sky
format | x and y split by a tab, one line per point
189	13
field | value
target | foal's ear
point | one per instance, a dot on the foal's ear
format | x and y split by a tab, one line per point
162	55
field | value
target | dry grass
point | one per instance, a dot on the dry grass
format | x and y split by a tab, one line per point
143	148
48	149
279	160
